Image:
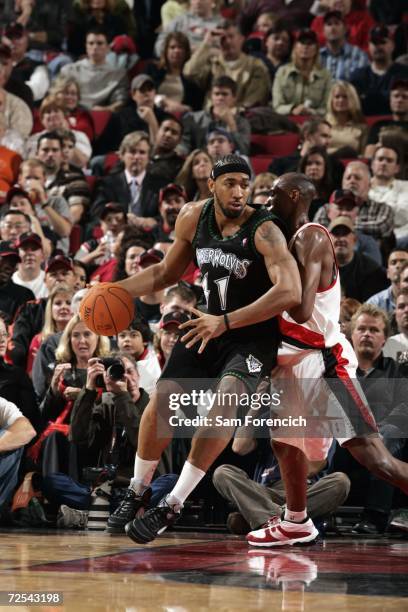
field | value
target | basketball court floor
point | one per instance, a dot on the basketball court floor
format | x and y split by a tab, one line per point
182	572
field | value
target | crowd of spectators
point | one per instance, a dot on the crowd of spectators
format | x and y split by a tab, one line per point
112	113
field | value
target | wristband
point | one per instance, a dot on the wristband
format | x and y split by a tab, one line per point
226	321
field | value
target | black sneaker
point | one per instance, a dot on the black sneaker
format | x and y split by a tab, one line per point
144	529
127	510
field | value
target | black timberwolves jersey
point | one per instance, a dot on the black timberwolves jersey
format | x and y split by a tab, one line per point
233	272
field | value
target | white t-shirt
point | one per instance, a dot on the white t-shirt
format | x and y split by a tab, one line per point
9	413
395	345
37	285
149	371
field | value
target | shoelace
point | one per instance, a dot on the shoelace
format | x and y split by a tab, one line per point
127	502
274	520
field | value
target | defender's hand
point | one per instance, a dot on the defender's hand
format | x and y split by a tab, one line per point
204	328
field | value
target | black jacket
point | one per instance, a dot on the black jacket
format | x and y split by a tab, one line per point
16	387
28	322
131	122
193	95
13	296
94	420
362	278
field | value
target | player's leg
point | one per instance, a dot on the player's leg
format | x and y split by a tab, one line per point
207	444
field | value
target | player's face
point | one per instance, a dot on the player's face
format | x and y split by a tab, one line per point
368	336
231	193
280	201
131	341
401	313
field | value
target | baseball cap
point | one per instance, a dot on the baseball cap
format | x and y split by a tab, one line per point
16	190
379	34
176	317
151	256
112	207
8	249
219	131
306	36
345	197
333	15
342	222
172	188
29	238
14	30
140	80
59	261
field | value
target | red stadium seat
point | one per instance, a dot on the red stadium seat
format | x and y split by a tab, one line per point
100	120
274	144
110	160
91	182
75	239
260	163
299	119
371	119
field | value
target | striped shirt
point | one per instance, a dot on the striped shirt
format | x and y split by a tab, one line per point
345	62
374	218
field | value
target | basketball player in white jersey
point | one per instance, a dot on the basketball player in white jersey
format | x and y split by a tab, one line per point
313	347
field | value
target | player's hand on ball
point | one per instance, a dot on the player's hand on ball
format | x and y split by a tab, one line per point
204	328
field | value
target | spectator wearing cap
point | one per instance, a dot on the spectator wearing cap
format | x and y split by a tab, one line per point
99	250
141	113
200	18
302	87
338	56
168	334
358	22
17	114
344	203
30	273
18	201
386	299
397	125
133	186
29	319
386	188
222	113
52	116
102	86
12	295
148	306
374	218
13	84
171	200
360	276
373	82
26	70
221	53
135	341
52	210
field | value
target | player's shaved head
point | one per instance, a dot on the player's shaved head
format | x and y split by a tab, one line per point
295	180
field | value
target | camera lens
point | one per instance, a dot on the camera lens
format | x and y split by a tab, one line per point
116	371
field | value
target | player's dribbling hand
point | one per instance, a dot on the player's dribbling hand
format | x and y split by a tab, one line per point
204	328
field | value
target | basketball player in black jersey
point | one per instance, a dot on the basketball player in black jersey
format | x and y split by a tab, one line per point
249	277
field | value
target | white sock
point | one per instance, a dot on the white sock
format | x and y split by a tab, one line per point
295	517
188	480
143	474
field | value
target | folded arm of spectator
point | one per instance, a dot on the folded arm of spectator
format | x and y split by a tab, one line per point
17	435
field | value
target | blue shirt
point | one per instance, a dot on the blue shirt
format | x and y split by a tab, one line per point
383	299
345	62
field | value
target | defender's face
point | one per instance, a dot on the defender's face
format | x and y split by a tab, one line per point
231	192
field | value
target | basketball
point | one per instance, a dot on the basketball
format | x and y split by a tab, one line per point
107	309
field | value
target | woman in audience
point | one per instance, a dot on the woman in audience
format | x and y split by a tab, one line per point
15	385
278	44
57	315
194	175
316	166
76	346
114	16
261	187
348	133
348	306
176	93
67	92
301	87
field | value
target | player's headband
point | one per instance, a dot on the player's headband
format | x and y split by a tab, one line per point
238	164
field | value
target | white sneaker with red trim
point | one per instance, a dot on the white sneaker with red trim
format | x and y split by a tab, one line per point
281	533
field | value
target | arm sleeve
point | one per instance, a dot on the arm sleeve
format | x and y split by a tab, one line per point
9	413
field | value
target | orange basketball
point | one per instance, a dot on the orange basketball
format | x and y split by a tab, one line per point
107	309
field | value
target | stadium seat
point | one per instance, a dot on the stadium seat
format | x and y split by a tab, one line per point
100	120
371	119
274	144
110	160
260	163
75	239
299	119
